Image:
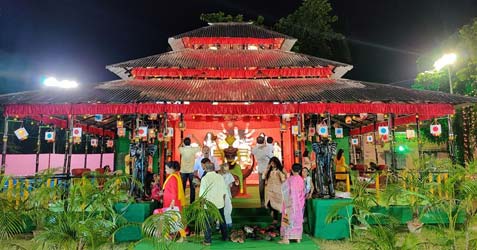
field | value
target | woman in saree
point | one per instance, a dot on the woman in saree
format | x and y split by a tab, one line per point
172	187
173	197
274	177
293	191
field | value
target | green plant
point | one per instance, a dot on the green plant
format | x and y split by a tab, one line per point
11	217
381	237
362	202
200	213
161	230
85	217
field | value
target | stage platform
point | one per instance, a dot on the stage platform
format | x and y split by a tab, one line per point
306	244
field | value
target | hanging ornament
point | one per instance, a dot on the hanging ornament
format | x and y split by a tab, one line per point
160	136
283	127
119	124
77	132
21	134
369	139
384	138
50	136
152	133
294	130
152	117
142	132
436	129
363	116
121	132
94	142
339	132
323	130
410	134
98	117
77	140
170	132
182	125
109	143
355	141
311	131
383	130
348	119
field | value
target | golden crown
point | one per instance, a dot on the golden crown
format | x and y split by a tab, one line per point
230	139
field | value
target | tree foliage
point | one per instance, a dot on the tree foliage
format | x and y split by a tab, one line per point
463	73
312	24
221	17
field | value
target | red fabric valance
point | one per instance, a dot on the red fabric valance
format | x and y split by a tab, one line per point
60	123
397	122
232	73
189	42
223	108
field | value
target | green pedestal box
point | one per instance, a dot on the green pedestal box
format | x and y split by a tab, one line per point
318	210
134	212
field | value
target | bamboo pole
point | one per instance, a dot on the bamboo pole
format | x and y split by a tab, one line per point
4	150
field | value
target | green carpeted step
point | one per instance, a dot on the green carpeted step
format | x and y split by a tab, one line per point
306	244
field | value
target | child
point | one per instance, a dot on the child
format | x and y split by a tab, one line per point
229	180
305	173
293	191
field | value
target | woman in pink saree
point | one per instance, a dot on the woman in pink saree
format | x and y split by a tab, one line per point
293	191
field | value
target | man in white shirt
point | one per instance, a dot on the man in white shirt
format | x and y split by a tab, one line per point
213	189
262	155
187	164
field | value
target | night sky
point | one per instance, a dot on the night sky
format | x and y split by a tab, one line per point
76	39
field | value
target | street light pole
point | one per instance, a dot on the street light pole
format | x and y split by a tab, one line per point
450	79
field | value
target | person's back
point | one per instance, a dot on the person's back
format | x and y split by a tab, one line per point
212	187
188	158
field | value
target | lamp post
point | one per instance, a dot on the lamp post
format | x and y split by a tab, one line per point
446	60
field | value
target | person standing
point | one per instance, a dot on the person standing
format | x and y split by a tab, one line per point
187	162
198	166
262	156
213	189
229	180
340	165
274	178
293	191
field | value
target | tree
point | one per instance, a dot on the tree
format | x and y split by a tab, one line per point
463	73
312	24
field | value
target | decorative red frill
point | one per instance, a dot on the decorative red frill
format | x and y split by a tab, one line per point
140	73
189	42
438	109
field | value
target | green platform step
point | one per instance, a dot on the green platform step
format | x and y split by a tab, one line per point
135	213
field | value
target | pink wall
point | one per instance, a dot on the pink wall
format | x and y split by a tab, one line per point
24	164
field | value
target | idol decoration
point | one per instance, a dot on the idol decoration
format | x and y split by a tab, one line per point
230	157
324	177
339	133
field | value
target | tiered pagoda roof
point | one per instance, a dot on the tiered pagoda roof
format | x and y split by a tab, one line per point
244	33
237	64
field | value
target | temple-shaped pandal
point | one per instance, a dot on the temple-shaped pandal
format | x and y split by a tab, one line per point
232	79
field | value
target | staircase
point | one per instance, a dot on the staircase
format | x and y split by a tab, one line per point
250	217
